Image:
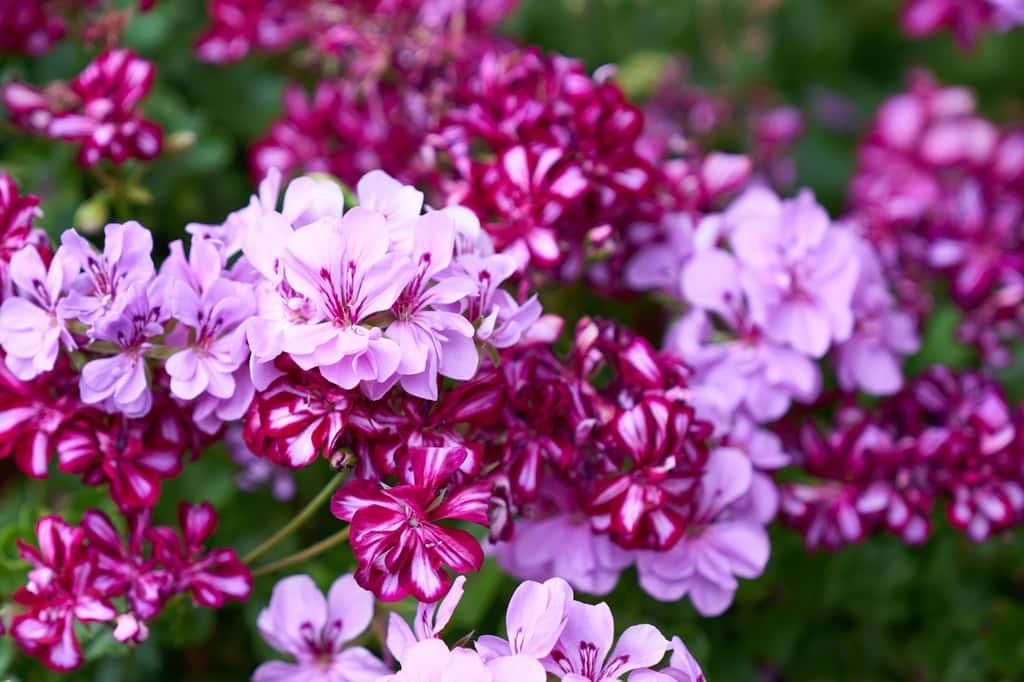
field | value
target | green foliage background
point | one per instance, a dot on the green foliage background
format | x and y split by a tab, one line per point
949	611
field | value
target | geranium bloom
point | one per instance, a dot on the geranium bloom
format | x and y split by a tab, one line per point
32	327
395	535
300	622
344	268
536	617
119	383
965	18
582	651
16	215
31	413
126	260
716	547
60	591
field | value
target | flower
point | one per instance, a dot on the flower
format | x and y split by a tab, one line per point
395	536
536	617
60	591
32	327
315	631
31	413
582	651
344	268
716	547
126	261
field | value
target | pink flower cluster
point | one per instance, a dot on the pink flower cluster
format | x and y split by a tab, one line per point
99	109
79	572
32	27
967	19
549	634
947	437
939	190
370	35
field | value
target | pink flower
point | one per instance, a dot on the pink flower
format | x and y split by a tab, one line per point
344	268
60	591
31	413
716	548
536	617
125	261
794	270
32	327
119	383
28	27
315	631
582	651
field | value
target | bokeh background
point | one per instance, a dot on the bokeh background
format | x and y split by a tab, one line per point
948	611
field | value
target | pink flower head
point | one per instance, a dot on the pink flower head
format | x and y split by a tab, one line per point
536	617
965	18
32	327
430	620
582	651
210	310
60	591
398	543
125	261
345	269
29	27
16	215
794	270
299	621
717	546
119	383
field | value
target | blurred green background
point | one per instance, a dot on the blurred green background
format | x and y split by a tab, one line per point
949	611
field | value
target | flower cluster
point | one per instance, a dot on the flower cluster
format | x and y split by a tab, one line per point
938	190
965	18
368	36
947	437
79	573
99	109
549	634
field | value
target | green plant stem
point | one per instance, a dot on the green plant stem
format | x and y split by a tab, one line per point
297	521
308	553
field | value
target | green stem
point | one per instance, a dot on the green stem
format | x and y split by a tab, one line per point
308	553
297	521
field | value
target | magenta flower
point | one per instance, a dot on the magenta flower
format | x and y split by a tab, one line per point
28	27
555	538
132	455
119	383
60	592
31	413
16	215
315	631
125	261
582	651
32	327
717	547
965	18
344	268
395	536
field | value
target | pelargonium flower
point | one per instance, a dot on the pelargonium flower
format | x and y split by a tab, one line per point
212	576
717	546
119	383
582	651
16	215
132	455
60	591
28	27
32	327
31	414
315	631
102	113
536	617
126	260
398	543
965	18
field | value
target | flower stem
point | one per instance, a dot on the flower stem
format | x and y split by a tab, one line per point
297	521
308	553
